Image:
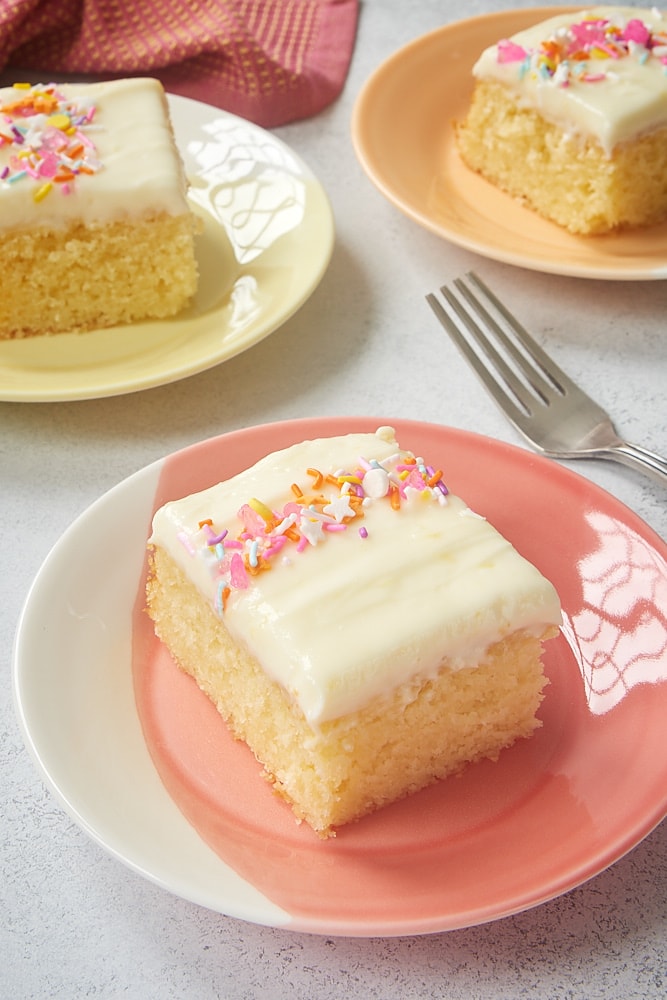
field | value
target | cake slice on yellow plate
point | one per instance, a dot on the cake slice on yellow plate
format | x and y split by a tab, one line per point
95	226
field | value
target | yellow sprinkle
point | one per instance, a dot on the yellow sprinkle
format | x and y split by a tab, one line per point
59	121
42	192
21	86
349	479
261	509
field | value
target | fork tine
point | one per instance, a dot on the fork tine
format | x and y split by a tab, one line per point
497	376
536	371
554	376
483	370
548	408
531	377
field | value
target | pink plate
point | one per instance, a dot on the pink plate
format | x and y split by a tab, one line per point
552	812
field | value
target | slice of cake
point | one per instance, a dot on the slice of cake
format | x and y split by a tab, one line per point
570	116
95	227
359	627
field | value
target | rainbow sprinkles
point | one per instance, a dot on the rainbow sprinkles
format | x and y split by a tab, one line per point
569	117
360	668
95	225
48	139
587	51
329	504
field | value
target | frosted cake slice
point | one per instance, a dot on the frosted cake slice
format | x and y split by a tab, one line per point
358	626
570	116
95	226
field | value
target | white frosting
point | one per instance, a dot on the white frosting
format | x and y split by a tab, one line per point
138	171
629	101
352	617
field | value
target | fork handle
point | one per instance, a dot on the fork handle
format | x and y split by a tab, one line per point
640	458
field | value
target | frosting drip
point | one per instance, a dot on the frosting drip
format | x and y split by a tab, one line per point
368	592
601	73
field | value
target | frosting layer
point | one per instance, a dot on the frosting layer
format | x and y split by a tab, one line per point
348	608
95	153
599	73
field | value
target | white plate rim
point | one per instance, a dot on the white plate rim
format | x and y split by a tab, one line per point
241	899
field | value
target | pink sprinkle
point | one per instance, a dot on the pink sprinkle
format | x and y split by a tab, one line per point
274	549
251	520
333	526
611	50
636	31
363	532
238	574
54	139
222	567
589	33
509	52
186	543
415	480
49	166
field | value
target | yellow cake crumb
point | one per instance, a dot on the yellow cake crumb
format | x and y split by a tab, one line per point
569	115
95	227
363	650
564	177
89	277
343	769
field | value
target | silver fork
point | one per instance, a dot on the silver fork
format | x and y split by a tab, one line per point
542	402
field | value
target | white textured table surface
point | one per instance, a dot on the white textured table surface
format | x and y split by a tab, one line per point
74	921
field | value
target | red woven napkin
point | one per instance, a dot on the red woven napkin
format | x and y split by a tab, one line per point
271	61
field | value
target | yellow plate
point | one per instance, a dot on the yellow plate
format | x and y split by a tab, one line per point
403	136
267	241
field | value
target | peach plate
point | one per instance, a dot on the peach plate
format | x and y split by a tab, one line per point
141	760
402	130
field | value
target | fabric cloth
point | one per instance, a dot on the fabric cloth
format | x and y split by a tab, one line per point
270	61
